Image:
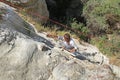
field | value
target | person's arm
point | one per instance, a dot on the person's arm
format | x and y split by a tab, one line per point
72	50
74	46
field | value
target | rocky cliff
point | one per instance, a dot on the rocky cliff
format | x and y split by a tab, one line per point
27	55
33	7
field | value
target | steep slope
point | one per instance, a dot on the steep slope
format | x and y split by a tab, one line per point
32	7
26	55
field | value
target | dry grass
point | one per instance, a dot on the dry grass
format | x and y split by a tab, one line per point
40	28
115	60
29	19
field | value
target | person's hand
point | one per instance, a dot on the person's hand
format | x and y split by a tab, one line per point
72	50
63	48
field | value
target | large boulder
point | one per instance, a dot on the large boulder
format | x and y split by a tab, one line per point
11	19
22	58
34	8
27	57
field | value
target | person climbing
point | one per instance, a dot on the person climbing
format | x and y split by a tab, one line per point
69	45
67	42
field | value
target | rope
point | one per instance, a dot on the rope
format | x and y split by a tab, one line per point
55	22
45	18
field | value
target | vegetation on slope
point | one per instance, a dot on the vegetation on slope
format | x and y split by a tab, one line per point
102	15
102	21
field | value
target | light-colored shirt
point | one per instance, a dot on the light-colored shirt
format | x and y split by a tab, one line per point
69	46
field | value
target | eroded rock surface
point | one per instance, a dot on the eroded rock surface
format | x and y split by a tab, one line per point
28	56
34	7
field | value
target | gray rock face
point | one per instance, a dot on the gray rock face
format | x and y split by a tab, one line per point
27	57
11	19
70	71
34	7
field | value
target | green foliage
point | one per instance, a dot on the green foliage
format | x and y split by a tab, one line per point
101	7
79	26
108	45
107	7
95	12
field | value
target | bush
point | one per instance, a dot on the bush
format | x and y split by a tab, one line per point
109	45
95	12
81	28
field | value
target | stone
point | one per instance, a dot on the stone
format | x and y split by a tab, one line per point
25	56
34	7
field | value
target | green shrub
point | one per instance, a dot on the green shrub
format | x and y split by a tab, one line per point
79	26
95	12
109	46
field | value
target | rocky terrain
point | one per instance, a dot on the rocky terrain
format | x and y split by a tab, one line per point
33	6
28	55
